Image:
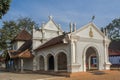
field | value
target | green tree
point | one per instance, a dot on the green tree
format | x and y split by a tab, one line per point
113	29
26	23
11	28
7	33
4	7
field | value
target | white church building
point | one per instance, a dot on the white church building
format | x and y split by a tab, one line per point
55	50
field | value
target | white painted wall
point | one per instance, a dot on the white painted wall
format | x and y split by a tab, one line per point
47	31
81	50
78	43
18	44
37	34
54	50
28	64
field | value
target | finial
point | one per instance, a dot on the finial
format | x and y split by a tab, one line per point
106	31
33	27
74	26
50	17
71	26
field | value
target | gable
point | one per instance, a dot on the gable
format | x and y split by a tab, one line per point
90	31
50	25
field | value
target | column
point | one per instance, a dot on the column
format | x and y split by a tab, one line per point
72	65
107	54
72	52
89	62
84	62
34	64
22	63
56	64
45	64
107	63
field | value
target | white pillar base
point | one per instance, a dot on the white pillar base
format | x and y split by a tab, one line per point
74	68
107	66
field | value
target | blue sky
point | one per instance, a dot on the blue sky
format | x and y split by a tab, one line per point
65	11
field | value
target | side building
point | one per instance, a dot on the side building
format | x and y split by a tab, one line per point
20	56
114	53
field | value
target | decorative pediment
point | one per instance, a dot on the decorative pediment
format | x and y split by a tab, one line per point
89	31
51	25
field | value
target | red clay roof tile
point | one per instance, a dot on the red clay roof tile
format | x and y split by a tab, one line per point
53	41
22	36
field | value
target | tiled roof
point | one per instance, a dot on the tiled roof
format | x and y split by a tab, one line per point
23	51
22	36
25	54
53	41
114	53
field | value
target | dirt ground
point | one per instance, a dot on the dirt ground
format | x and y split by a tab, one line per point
91	75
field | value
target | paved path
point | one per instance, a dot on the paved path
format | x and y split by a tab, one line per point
96	75
24	76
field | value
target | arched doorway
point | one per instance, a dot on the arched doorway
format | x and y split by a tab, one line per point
50	62
62	61
92	59
41	63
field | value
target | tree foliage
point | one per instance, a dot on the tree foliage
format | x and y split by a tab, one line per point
11	28
6	33
4	7
113	29
26	23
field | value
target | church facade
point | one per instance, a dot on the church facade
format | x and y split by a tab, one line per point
55	50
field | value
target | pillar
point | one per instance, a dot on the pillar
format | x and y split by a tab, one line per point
34	64
73	52
84	62
45	64
22	63
89	62
73	66
107	64
56	64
